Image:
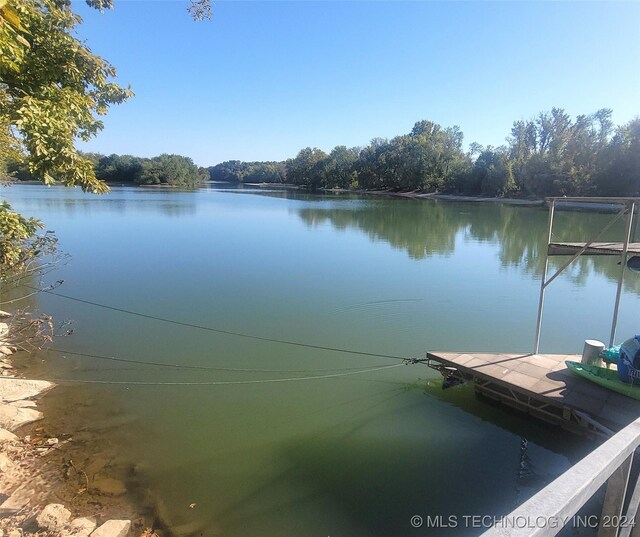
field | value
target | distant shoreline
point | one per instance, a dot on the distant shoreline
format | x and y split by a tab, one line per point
458	198
445	197
413	195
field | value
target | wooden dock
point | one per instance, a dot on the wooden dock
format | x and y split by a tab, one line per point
542	386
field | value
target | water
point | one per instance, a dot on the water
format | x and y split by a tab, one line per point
352	455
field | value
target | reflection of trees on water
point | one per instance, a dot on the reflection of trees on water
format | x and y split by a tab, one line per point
422	229
92	206
283	192
426	228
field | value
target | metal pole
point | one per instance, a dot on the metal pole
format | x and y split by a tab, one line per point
586	246
544	277
623	266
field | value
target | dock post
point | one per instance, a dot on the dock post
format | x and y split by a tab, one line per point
543	283
623	266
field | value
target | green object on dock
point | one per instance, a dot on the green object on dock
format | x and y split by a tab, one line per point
604	377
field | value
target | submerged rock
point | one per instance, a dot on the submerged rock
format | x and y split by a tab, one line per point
109	486
54	517
96	464
113	528
4	314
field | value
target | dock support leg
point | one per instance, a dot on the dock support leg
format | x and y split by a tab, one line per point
543	283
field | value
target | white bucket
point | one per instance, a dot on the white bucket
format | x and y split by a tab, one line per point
591	352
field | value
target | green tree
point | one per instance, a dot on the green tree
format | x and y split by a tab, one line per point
16	231
173	170
306	168
338	168
522	144
52	91
236	171
264	172
430	158
491	174
619	163
230	171
553	155
371	165
120	168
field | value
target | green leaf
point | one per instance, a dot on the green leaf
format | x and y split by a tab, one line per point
9	14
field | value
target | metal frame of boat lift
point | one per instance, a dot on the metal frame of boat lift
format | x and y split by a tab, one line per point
628	208
611	462
575	416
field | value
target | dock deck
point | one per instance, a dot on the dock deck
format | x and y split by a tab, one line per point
596	248
541	385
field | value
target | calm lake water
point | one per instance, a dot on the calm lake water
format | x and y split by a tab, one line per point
351	455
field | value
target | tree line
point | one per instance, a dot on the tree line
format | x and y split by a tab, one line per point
549	155
236	171
165	169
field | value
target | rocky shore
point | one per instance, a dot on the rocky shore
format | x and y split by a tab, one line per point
36	470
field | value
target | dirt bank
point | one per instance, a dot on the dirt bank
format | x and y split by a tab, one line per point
57	478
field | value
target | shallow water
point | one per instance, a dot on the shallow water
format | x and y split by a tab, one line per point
273	452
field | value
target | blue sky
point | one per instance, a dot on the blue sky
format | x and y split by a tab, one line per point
262	80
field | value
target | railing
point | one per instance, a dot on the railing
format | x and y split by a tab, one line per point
556	505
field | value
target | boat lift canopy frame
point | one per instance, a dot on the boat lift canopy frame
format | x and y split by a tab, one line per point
627	208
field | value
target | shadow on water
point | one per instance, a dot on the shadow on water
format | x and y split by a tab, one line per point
379	480
518	423
376	470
